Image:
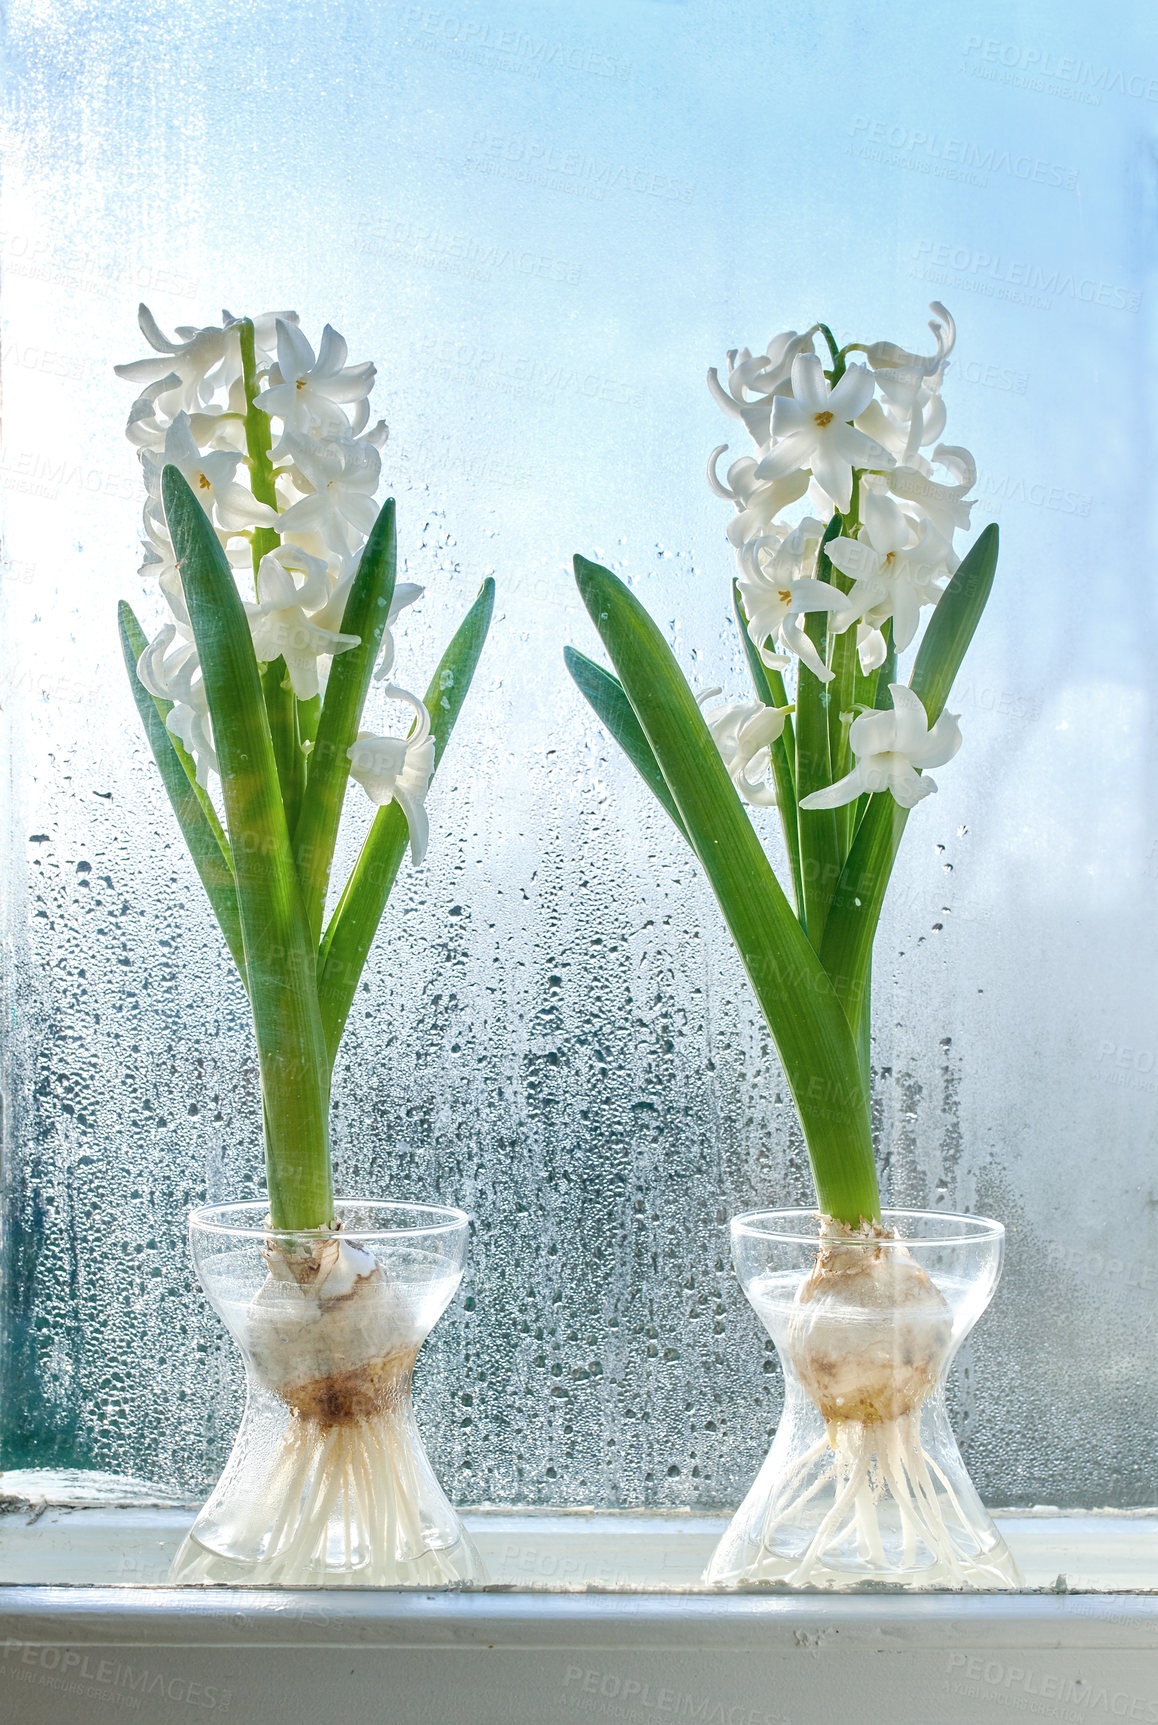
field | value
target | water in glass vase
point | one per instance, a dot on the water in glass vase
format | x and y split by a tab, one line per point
864	1482
328	1482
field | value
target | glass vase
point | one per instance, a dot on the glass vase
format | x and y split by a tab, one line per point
328	1483
864	1482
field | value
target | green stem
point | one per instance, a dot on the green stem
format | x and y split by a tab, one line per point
837	357
279	697
769	687
258	441
844	665
283	725
820	859
308	714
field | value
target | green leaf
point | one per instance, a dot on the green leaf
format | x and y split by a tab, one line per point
811	1032
953	623
856	906
359	910
366	613
279	955
605	695
205	841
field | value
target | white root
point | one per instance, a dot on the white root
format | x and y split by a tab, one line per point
873	1469
867	1338
347	1495
343	1505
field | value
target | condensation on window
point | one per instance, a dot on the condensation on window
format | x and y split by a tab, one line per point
544	223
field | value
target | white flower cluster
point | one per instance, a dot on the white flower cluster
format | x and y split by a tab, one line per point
325	469
813	434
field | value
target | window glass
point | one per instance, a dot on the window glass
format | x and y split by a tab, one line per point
544	222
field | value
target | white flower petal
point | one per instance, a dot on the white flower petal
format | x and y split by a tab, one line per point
845	790
907	785
809	385
791	454
857	449
332	352
943	742
832	472
851	393
872	648
295	356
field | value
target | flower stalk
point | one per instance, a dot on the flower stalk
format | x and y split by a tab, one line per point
834	737
269	694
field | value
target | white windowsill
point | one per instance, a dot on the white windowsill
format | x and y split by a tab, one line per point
587	1616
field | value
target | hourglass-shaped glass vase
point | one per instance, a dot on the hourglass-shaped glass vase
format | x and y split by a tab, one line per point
328	1482
864	1481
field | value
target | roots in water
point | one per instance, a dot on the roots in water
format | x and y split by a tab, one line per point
328	1481
892	1513
353	1502
864	1482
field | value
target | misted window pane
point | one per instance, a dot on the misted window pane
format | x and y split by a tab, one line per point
544	223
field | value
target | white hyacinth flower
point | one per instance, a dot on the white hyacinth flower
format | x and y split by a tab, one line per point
398	769
896	567
778	589
209	476
343	474
405	593
308	391
753	383
183	365
175	675
889	748
759	503
744	732
812	429
191	412
945	505
888	356
876	421
280	622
